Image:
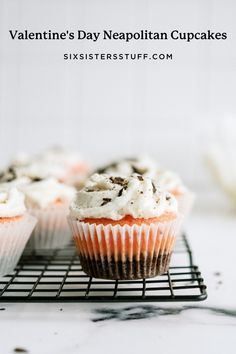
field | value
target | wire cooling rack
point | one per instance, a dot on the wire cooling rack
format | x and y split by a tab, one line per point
56	276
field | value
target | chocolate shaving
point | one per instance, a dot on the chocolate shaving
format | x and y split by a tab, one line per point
154	188
89	190
9	175
119	180
120	192
168	197
36	179
140	178
105	201
20	350
139	171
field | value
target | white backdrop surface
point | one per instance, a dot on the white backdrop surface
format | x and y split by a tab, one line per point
170	109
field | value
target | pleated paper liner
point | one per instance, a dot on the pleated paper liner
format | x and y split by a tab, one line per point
125	252
52	229
13	238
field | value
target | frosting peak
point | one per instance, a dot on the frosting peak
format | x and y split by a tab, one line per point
113	197
147	167
142	165
47	192
11	203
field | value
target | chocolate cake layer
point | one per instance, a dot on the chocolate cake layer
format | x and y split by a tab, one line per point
146	267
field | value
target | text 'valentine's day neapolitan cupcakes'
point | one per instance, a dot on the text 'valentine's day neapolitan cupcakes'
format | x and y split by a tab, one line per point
124	228
16	227
48	200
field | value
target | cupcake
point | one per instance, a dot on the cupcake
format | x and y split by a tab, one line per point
61	164
124	228
147	167
48	200
15	228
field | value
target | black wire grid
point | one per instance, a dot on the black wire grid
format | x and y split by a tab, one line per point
56	276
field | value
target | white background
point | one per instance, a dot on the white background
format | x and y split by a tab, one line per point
172	110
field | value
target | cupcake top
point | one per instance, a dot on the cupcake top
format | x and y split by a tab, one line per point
55	162
142	165
147	167
114	197
38	170
170	181
9	178
11	203
47	193
60	156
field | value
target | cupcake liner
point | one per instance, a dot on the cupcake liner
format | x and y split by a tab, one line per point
185	203
52	229
124	252
13	238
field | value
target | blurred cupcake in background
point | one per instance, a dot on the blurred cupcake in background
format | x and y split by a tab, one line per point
21	159
124	227
147	167
16	226
9	178
143	165
173	184
68	165
64	165
48	200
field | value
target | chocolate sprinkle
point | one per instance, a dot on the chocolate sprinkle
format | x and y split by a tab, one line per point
154	188
36	179
9	175
139	171
120	192
168	197
117	180
140	178
89	190
20	350
105	201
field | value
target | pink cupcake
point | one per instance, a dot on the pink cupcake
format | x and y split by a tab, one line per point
124	228
16	227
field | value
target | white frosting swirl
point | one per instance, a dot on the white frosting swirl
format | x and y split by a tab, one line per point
112	197
45	193
11	203
142	165
170	181
41	170
55	162
147	167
